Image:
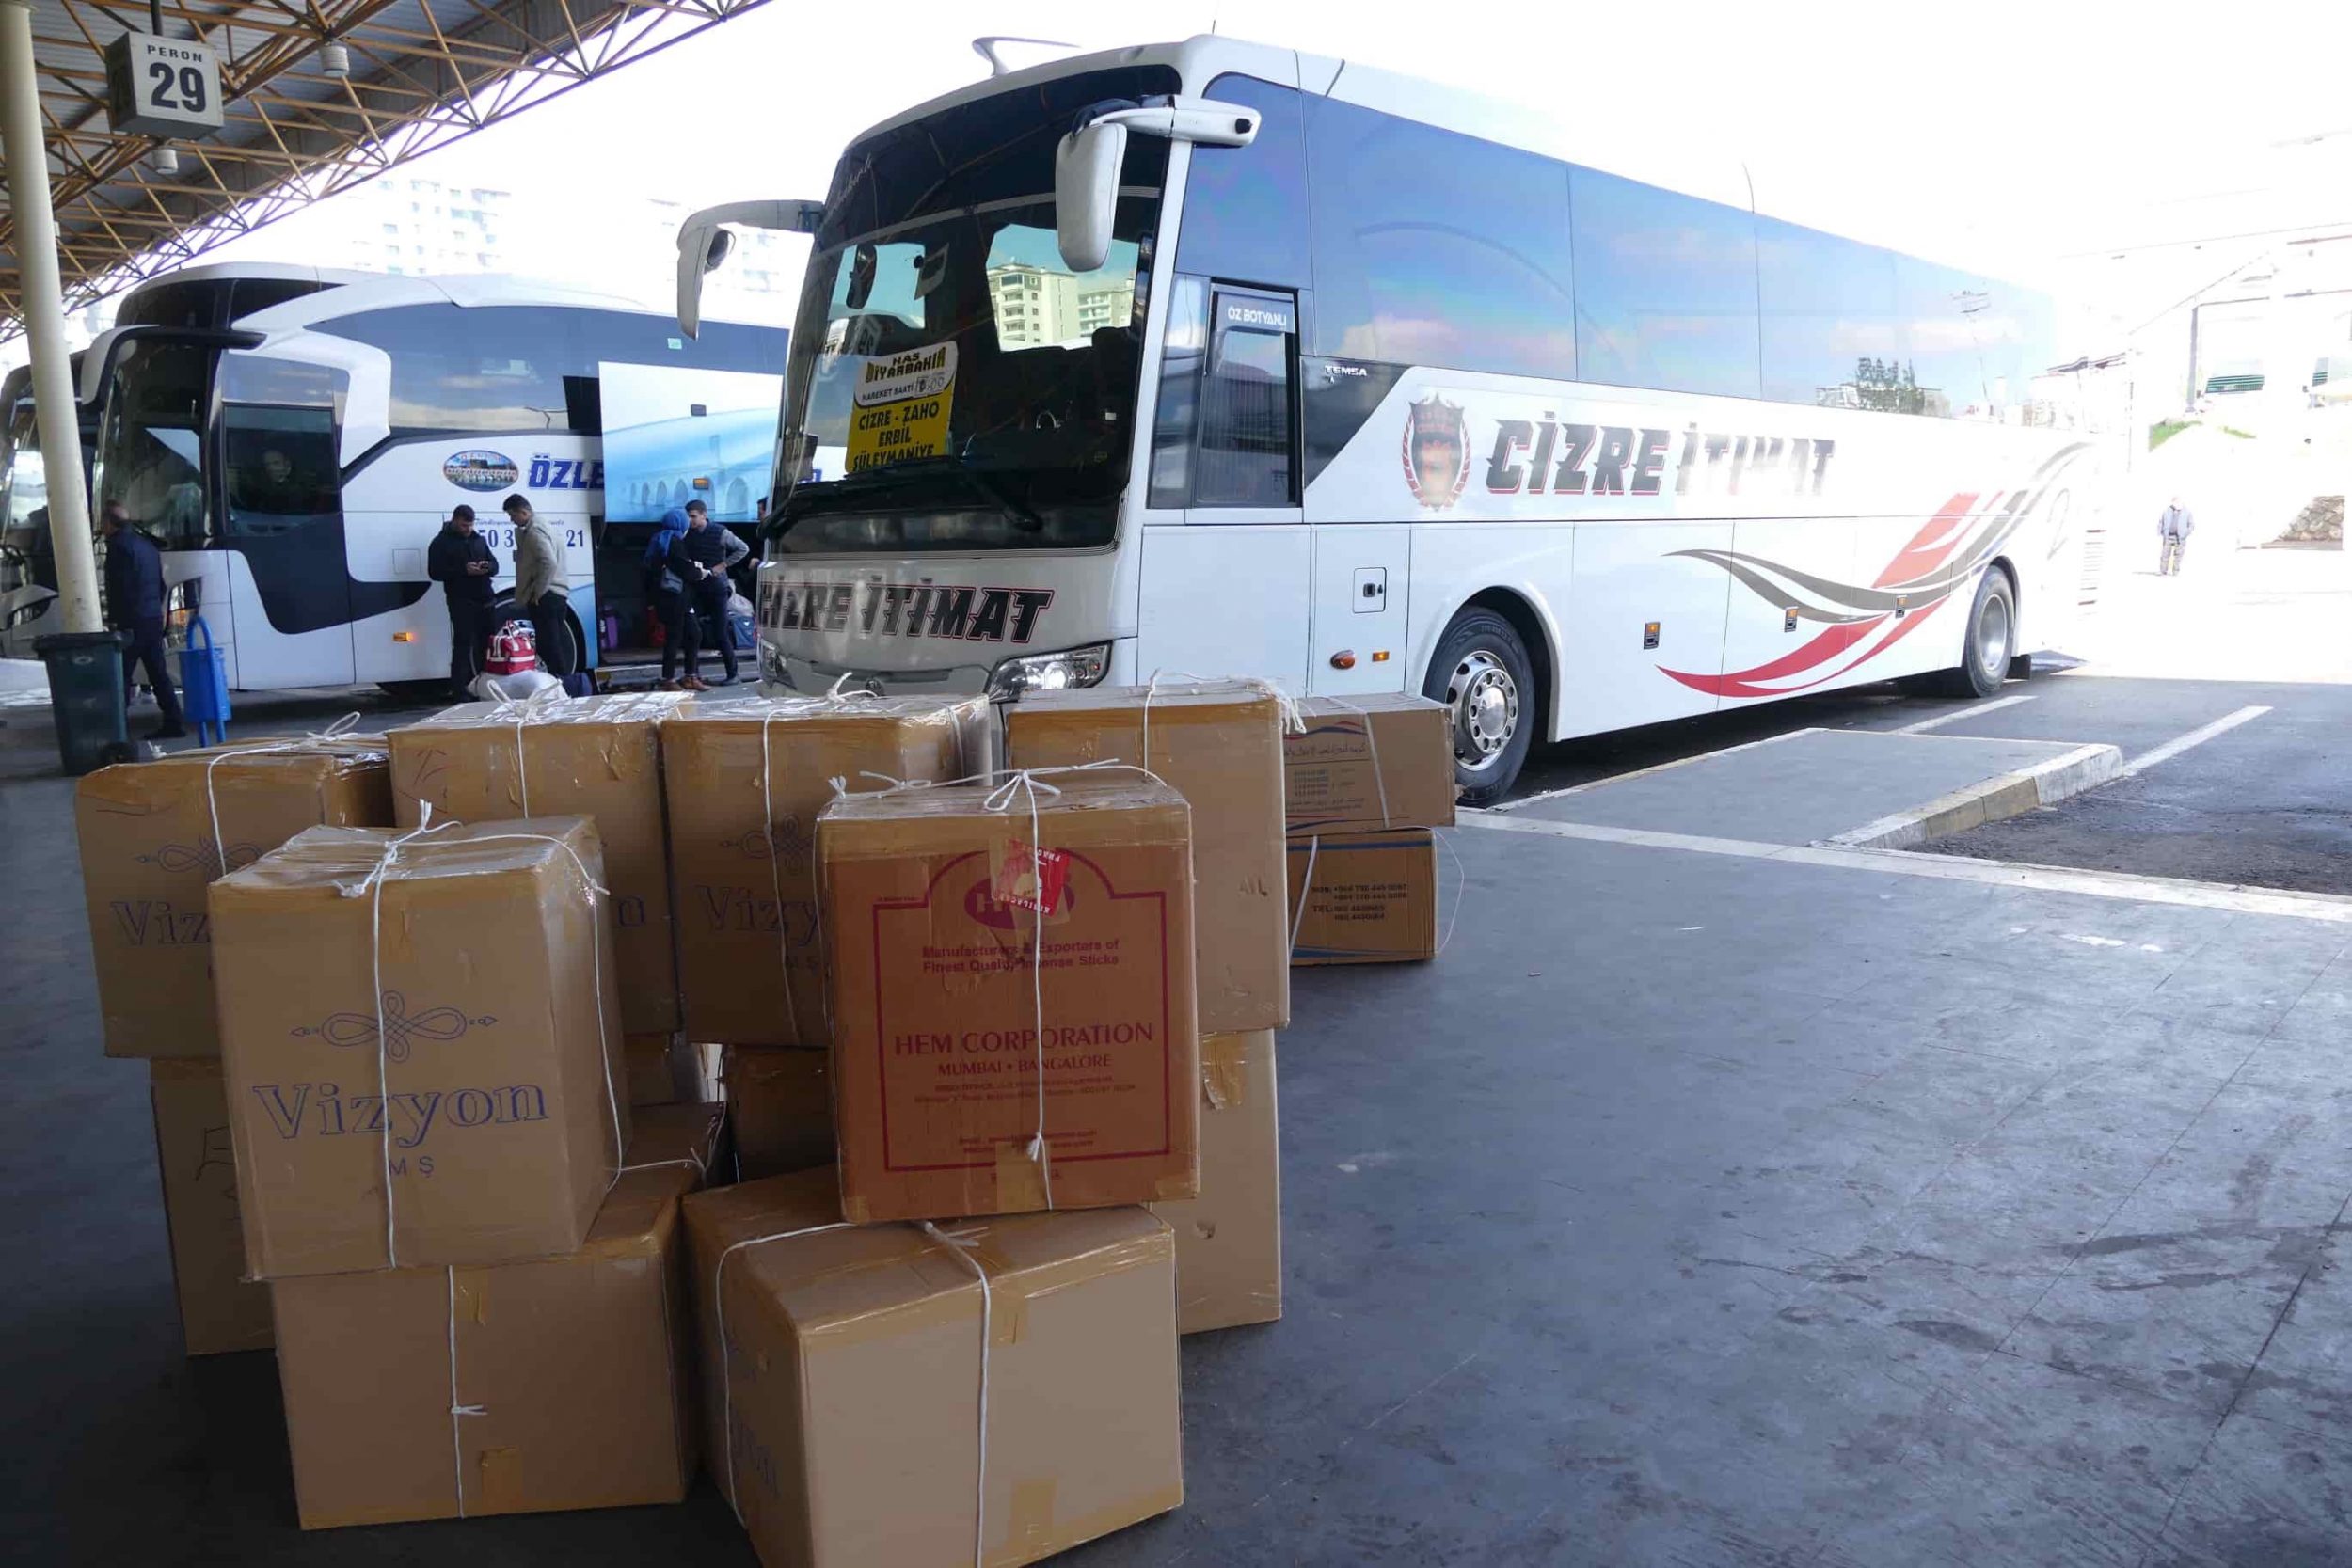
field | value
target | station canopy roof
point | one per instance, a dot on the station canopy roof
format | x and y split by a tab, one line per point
417	75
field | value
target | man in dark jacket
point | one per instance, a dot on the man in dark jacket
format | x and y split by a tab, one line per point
134	603
460	561
699	557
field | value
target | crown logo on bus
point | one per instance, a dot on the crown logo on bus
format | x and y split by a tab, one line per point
480	471
1436	452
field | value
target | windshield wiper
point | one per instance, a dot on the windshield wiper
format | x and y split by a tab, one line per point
887	475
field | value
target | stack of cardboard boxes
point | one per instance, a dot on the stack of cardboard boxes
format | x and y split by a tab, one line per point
474	1267
1366	781
999	1060
152	838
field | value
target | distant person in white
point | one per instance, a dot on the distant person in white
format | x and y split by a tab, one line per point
2174	528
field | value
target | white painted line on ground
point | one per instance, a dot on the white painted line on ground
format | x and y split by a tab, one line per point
1994	800
2334	908
2197	736
1974	710
1655	767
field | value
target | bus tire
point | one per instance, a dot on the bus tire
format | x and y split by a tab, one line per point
1482	673
1991	644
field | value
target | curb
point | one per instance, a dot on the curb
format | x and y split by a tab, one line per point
2003	795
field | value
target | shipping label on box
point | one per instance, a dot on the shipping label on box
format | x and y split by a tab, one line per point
780	1105
447	1023
1368	764
746	781
597	757
1219	745
1373	898
936	998
219	1308
847	1380
151	843
571	1376
1229	1240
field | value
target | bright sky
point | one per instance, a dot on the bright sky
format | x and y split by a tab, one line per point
2033	139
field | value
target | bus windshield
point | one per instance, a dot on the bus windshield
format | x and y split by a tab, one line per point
951	384
151	447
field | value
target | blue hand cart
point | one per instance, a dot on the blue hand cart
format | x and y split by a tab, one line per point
204	685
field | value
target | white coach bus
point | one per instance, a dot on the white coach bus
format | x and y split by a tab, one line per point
1220	357
294	437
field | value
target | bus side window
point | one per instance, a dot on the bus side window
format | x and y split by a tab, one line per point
1183	348
1244	456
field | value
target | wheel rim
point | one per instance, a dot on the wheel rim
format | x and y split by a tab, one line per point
1485	701
1992	636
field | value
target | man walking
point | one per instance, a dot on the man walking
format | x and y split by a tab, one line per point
2173	527
700	556
134	603
539	589
460	561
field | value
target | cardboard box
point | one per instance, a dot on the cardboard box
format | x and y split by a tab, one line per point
666	1069
1375	898
572	1376
597	757
1229	1240
780	1102
1368	764
929	901
219	1308
148	850
849	1380
1219	745
753	976
491	1101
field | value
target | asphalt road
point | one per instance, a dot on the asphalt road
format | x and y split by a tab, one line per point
2264	803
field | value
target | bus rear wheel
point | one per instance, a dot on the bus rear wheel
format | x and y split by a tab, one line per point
1991	648
1481	672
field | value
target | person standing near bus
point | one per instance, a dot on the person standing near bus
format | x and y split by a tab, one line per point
700	556
539	589
134	603
2173	527
460	561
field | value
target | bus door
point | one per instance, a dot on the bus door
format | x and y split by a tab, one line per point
282	522
1220	595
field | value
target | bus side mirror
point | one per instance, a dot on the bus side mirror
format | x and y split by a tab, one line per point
1086	164
703	243
1085	192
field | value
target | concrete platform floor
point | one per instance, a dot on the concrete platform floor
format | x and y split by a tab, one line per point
1800	787
1691	1209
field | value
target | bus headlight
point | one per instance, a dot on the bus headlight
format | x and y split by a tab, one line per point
1072	667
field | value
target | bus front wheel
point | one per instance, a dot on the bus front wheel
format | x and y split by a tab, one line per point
1481	672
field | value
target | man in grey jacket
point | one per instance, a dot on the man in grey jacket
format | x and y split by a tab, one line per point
539	589
2174	527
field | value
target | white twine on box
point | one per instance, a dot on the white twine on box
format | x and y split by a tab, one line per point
371	887
1292	719
456	1409
726	1347
1371	746
960	1249
835	700
1306	891
342	728
523	710
1461	881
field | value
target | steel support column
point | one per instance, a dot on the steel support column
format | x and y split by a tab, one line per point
35	240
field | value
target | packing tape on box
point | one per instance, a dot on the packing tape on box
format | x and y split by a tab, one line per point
1225	1069
372	888
345	728
1025	783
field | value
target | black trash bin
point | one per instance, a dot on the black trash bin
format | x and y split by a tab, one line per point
86	697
